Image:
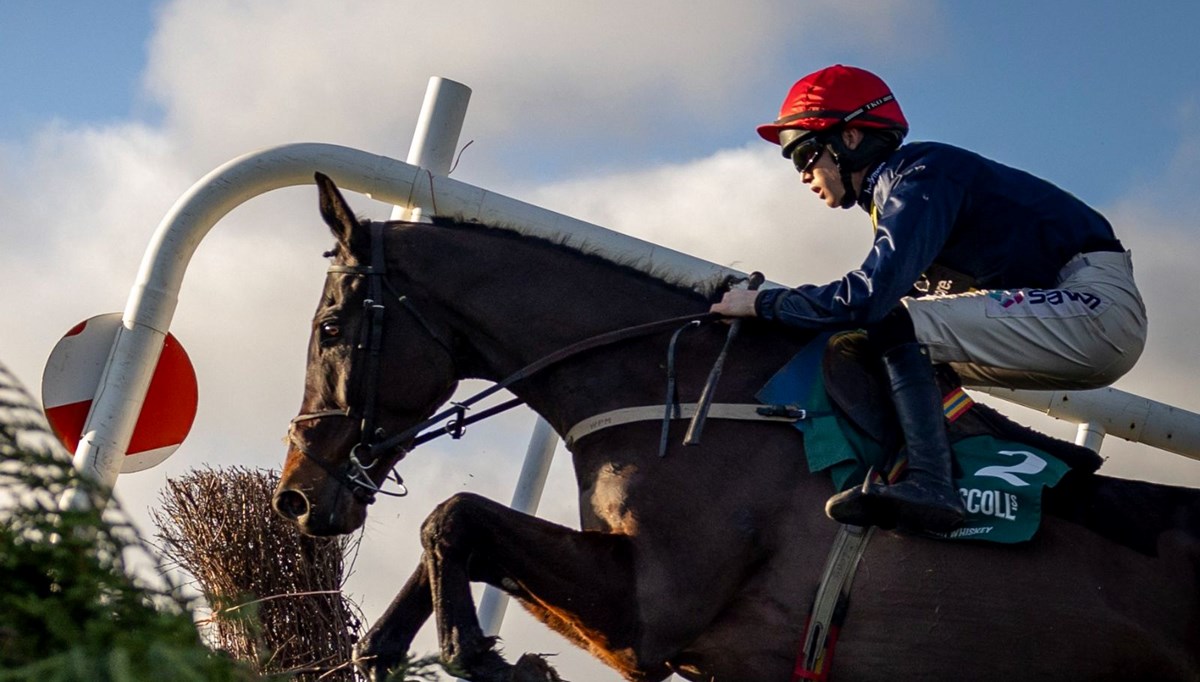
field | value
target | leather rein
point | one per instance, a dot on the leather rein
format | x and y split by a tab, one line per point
374	442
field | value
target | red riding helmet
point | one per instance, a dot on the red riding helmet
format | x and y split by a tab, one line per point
835	96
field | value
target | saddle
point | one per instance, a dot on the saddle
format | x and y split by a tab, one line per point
1131	513
859	392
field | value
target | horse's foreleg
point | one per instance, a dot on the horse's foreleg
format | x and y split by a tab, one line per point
464	648
579	583
387	643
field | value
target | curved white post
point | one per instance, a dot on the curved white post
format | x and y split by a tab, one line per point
152	301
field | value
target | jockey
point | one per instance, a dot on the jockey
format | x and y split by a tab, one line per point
1010	280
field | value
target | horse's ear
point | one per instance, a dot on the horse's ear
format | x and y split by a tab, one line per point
335	210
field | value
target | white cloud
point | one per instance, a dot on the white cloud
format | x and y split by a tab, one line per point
742	208
223	69
569	77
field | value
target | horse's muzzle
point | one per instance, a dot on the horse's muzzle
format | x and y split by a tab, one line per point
290	504
319	517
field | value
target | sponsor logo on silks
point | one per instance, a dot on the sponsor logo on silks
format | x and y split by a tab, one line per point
1057	296
1007	298
928	287
1045	296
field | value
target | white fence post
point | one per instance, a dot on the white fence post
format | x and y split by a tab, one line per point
1112	411
436	136
526	497
1090	435
433	146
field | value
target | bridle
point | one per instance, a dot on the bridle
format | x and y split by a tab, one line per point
355	474
373	442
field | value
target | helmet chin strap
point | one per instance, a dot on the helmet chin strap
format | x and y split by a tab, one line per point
841	155
849	196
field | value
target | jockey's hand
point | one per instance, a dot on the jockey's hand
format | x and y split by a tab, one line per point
736	303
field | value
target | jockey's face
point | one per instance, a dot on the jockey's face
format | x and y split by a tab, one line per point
824	178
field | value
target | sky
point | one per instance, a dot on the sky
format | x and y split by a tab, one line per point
636	116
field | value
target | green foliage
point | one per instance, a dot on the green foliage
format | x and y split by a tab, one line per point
424	669
69	608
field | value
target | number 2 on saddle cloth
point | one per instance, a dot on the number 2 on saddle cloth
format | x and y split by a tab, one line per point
850	432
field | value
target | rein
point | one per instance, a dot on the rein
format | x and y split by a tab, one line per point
598	341
355	474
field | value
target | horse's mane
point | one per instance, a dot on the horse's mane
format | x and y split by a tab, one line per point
707	289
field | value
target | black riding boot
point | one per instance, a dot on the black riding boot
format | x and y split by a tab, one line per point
926	498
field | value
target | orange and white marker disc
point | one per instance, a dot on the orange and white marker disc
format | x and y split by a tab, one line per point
73	373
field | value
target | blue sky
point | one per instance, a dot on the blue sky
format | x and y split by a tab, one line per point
79	62
1092	94
637	116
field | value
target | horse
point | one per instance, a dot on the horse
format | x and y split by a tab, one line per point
700	561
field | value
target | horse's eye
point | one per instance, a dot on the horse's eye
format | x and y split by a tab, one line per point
330	331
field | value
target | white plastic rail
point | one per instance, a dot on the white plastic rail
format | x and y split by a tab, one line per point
153	299
1112	411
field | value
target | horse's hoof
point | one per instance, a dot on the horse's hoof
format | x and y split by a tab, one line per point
534	668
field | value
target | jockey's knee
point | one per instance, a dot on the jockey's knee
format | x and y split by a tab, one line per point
1061	378
1118	363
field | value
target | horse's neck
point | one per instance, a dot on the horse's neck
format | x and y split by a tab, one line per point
517	300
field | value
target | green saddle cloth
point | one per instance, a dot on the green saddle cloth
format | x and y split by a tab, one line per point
1000	481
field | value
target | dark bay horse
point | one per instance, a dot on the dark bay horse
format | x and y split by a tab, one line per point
703	562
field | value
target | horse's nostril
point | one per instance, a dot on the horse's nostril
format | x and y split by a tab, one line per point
290	504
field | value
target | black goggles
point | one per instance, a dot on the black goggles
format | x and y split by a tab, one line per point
806	153
803	147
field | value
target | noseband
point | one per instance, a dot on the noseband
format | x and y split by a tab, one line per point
355	473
